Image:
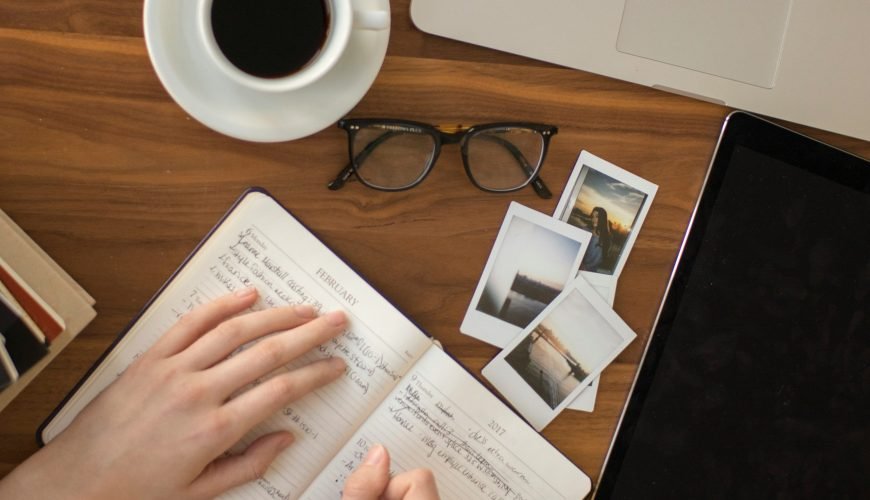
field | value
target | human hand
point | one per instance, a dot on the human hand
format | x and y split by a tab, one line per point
160	430
371	481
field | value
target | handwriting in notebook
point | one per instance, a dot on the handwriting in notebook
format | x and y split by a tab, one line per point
423	427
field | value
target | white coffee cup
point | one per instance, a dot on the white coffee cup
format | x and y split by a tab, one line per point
344	17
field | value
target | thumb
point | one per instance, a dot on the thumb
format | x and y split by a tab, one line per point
370	479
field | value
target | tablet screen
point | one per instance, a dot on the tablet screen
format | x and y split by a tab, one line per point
756	382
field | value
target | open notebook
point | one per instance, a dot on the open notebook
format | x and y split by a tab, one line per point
400	388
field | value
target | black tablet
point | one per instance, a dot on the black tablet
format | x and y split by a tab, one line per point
756	380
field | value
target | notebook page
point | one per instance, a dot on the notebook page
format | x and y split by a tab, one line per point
260	244
439	417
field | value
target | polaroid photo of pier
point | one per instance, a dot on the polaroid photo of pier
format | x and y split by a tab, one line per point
611	204
533	258
556	356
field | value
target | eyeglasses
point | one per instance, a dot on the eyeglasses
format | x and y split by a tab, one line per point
394	155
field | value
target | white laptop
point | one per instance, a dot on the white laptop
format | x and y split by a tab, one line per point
806	61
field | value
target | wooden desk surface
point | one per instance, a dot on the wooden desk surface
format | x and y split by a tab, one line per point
117	183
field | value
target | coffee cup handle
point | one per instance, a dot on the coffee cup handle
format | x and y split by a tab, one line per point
371	20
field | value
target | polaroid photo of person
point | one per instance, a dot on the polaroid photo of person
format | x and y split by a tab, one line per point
611	204
534	256
557	355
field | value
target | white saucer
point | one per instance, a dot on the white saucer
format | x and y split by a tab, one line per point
207	94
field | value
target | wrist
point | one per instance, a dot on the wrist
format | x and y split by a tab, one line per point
28	480
37	477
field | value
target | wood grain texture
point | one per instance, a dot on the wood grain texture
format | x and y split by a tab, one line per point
118	184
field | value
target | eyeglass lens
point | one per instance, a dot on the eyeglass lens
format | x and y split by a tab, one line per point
391	159
504	158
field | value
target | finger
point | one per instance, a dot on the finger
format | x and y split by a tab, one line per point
196	323
260	402
275	352
370	479
225	338
228	472
417	484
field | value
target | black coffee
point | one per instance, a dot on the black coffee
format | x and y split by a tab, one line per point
269	38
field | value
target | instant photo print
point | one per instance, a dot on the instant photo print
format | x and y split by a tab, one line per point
611	205
557	355
533	258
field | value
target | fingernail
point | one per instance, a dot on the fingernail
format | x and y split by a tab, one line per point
336	318
376	455
245	292
305	311
287	441
338	364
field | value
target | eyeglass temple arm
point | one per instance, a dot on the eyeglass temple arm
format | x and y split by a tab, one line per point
347	171
537	183
341	178
541	188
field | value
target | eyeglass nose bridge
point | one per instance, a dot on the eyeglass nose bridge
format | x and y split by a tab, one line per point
452	133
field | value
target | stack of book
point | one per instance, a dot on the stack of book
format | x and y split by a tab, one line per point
41	309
